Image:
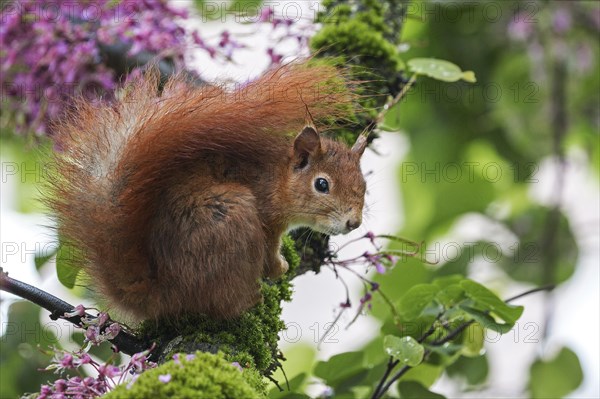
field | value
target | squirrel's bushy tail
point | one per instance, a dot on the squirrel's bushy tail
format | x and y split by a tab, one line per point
113	160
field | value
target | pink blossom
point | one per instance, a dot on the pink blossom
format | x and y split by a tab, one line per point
520	27
112	331
266	14
78	310
67	361
92	334
346	304
366	298
63	48
109	371
562	20
102	319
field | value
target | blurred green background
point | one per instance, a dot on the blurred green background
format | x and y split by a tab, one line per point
515	156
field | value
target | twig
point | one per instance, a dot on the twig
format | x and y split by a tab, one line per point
274	381
333	324
546	288
396	99
452	334
364	135
124	341
396	377
391	364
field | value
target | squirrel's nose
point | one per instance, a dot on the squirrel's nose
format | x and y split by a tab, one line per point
352	224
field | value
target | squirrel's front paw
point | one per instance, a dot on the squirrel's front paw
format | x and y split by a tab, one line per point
277	268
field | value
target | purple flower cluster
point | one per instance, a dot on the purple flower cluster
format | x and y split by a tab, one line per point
52	50
97	328
378	258
82	387
75	388
286	30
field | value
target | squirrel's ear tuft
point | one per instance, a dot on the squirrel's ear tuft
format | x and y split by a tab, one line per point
306	144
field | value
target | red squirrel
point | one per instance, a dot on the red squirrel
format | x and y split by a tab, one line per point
178	198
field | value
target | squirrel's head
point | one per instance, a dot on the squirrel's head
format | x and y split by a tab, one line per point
326	188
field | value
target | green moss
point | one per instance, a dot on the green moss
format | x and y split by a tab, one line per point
361	46
361	35
208	376
250	339
288	250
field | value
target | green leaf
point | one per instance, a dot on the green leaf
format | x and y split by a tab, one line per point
451	295
445	281
440	70
65	269
557	377
473	369
361	392
473	338
406	349
416	299
42	258
340	367
486	320
414	390
490	302
425	373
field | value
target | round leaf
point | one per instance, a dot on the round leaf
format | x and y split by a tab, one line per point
557	377
472	339
406	349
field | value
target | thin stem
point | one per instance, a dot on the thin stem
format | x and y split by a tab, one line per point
547	288
396	377
391	364
389	302
344	245
396	99
328	330
361	141
452	334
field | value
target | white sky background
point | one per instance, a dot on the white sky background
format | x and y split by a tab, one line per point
577	313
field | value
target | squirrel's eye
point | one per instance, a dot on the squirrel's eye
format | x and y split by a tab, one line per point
322	185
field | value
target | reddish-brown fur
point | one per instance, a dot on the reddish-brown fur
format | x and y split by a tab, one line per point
178	200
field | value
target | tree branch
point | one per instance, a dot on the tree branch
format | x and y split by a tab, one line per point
124	341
